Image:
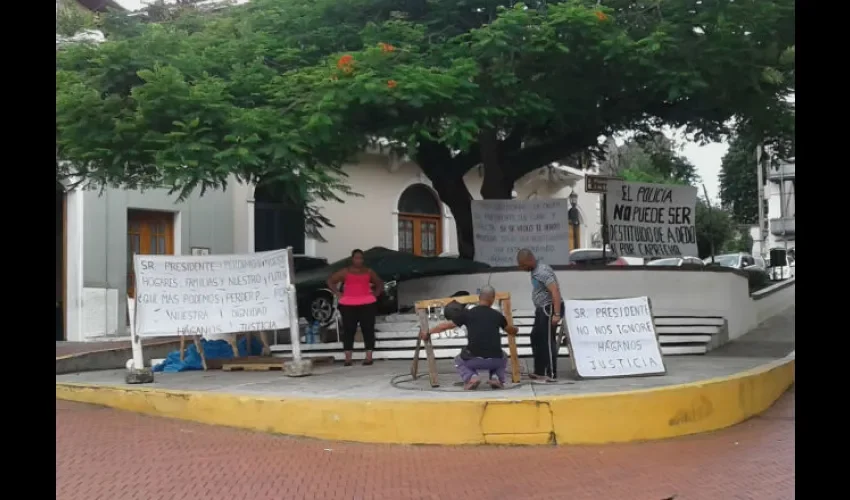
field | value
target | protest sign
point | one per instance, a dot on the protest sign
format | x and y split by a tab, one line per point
651	220
613	338
211	294
502	227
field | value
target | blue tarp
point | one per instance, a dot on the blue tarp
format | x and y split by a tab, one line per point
213	349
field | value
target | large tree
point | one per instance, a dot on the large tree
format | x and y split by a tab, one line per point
289	90
739	169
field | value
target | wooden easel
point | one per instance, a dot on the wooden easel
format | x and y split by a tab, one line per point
422	307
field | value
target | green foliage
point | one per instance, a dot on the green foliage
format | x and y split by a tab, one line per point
742	243
738	171
262	91
714	229
72	19
739	180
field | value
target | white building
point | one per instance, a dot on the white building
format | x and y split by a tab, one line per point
398	210
780	188
98	232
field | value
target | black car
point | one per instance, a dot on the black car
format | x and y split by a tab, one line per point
316	302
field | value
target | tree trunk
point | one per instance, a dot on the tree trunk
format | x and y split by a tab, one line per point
497	185
453	192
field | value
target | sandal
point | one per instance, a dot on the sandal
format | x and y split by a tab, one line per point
367	362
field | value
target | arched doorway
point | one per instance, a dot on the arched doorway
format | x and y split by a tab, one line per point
60	262
420	230
277	224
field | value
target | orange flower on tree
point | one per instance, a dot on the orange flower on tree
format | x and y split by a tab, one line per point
345	63
601	15
385	47
392	84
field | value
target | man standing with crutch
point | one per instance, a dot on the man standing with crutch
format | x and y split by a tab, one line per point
548	306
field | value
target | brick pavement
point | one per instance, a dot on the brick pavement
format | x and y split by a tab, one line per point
112	455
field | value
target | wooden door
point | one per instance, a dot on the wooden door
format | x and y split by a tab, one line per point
420	235
148	233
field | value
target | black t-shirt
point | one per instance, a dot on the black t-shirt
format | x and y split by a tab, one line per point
482	327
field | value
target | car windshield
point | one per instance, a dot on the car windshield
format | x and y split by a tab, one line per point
724	260
664	262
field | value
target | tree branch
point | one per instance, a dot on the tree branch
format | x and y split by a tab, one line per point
527	159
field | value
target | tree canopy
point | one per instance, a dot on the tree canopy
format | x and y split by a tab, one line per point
288	91
739	170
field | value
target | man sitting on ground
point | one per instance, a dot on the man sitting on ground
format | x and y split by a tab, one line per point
484	341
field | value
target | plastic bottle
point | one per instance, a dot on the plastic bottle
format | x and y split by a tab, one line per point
315	331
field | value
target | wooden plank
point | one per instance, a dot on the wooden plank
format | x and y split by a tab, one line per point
423	325
506	310
432	363
197	340
253	367
251	360
463	299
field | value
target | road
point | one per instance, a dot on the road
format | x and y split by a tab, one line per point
113	455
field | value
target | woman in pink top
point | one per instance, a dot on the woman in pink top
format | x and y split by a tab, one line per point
357	303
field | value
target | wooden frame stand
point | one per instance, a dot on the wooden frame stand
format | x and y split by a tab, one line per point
422	308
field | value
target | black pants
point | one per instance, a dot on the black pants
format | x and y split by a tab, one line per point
542	339
358	315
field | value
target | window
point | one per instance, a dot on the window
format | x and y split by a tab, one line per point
148	233
419	222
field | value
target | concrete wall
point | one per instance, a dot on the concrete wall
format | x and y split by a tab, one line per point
774	299
673	292
199	222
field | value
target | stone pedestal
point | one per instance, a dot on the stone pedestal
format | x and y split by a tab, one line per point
298	368
139	376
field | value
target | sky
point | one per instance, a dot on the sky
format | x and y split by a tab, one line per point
706	158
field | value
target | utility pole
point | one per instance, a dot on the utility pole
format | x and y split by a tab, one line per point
760	181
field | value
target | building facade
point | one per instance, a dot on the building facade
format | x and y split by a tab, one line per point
100	233
398	210
780	188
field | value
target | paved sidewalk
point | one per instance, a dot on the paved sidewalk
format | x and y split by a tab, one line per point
774	338
68	348
113	455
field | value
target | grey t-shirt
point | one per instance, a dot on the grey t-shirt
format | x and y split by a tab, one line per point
541	277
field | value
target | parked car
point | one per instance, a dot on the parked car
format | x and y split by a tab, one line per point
303	263
316	302
678	262
591	257
758	276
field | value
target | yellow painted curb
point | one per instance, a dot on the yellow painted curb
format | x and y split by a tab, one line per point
648	414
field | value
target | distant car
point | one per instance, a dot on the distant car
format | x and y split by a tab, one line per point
592	257
678	262
734	260
757	276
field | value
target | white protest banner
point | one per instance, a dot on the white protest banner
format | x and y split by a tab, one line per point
651	220
502	227
211	294
613	338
